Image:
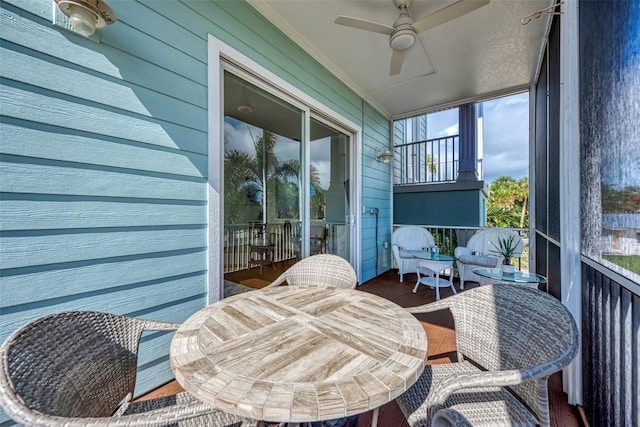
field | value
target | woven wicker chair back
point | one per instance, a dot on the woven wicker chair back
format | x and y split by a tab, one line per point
323	270
504	327
487	241
72	364
412	237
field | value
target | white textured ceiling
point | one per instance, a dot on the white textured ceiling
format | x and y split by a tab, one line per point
479	55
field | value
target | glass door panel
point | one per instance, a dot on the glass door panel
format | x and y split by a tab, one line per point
262	176
330	230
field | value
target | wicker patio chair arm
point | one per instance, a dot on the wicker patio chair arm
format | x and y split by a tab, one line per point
280	280
156	325
447	387
426	308
156	418
449	418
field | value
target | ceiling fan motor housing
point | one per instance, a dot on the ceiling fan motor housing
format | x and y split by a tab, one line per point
402	39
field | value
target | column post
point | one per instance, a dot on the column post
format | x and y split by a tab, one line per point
468	148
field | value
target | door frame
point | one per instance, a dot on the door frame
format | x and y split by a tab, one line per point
223	57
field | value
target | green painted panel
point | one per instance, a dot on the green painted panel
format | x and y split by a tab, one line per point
140	45
441	208
147	19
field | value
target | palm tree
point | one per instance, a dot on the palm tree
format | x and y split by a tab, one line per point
507	204
248	175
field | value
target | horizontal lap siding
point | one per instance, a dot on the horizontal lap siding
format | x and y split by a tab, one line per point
103	197
104	180
376	187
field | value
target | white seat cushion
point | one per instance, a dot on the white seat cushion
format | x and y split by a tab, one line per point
408	253
484	261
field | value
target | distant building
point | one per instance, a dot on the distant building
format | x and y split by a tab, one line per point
621	234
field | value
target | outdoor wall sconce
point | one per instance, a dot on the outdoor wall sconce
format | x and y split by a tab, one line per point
384	156
86	16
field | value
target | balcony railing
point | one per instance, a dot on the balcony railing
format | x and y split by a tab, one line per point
238	239
422	162
282	237
285	240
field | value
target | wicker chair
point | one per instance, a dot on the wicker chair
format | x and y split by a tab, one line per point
510	336
484	243
78	368
323	270
405	241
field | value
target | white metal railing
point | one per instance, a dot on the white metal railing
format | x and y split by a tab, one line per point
422	162
283	238
238	239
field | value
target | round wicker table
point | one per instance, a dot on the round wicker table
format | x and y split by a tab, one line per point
299	354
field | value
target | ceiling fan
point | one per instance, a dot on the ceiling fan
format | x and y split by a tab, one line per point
403	33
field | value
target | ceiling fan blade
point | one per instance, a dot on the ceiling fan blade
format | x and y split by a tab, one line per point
396	62
363	24
447	14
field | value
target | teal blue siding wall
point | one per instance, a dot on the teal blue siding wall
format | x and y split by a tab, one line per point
376	193
446	208
104	155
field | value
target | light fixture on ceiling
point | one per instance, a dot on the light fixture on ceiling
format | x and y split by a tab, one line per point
402	39
86	16
245	105
551	10
385	155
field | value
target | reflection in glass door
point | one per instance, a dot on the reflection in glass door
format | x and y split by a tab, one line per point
267	181
329	190
262	150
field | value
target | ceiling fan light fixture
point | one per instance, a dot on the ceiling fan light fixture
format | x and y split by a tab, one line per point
402	39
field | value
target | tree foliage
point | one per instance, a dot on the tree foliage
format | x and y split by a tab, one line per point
625	200
248	175
507	205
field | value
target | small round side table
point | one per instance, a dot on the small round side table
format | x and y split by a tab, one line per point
434	265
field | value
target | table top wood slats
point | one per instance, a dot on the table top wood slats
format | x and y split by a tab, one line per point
299	354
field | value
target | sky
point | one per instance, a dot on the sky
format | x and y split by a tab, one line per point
506	135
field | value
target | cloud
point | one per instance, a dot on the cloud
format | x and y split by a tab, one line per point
239	136
451	130
506	137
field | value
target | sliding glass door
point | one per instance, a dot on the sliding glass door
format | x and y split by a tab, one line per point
330	186
284	198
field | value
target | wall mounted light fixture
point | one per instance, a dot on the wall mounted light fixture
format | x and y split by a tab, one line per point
385	155
86	16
